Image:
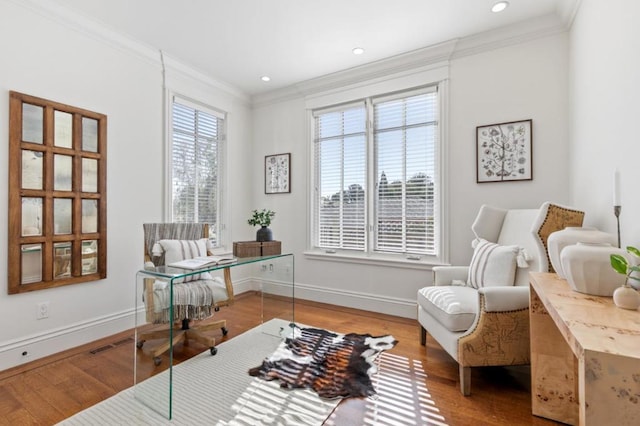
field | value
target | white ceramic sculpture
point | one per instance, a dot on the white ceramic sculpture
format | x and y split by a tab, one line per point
558	240
588	270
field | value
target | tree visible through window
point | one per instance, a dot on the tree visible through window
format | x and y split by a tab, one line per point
196	138
400	202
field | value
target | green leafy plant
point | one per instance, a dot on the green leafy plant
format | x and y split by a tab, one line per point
622	266
262	218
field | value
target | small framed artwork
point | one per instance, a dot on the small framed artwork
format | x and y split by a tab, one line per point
503	152
277	173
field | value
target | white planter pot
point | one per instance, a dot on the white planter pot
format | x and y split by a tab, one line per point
558	240
588	268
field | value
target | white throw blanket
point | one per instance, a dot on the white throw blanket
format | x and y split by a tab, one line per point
193	300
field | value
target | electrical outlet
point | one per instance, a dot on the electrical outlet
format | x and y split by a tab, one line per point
42	310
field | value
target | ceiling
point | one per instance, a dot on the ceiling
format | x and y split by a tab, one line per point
291	41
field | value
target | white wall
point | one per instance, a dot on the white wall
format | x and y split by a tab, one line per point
604	91
514	83
518	82
44	55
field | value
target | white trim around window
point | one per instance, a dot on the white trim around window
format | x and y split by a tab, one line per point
211	132
368	254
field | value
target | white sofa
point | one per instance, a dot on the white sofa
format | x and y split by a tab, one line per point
482	318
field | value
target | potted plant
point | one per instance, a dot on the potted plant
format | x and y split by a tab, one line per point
262	218
626	296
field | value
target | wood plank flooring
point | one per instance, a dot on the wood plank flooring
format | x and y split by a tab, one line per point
47	391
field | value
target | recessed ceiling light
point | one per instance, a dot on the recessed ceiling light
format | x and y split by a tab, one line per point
500	6
358	50
265	78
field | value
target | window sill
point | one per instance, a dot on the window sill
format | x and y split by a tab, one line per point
390	260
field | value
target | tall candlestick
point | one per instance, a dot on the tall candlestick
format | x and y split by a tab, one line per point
616	188
617	205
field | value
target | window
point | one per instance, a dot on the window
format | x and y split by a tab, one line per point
376	175
197	134
57	194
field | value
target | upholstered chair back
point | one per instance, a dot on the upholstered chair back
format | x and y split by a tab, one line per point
154	232
512	227
528	229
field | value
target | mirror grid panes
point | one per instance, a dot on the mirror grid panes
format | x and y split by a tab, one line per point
63	127
57	226
31	216
31	169
62	216
89	257
31	262
32	123
62	255
62	172
89	216
89	175
89	134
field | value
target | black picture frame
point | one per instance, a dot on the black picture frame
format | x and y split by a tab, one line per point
277	173
504	152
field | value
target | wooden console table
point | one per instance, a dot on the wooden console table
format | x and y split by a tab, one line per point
585	356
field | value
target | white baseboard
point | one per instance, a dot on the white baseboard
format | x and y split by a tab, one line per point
367	302
31	348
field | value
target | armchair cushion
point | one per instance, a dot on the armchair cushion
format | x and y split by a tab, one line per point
455	307
492	265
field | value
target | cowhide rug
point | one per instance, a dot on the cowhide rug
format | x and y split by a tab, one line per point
333	365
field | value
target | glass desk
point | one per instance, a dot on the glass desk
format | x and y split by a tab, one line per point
271	276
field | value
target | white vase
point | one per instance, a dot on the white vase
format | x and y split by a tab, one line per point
571	235
626	297
588	270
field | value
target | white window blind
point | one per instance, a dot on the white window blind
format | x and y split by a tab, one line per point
196	137
340	161
405	132
398	195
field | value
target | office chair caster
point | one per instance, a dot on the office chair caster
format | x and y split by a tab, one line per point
139	344
213	350
224	331
157	360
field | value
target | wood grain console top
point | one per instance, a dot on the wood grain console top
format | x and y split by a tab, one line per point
588	323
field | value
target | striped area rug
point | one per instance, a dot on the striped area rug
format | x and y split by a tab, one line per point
217	390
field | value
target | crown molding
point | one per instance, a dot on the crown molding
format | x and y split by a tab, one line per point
98	31
509	35
567	10
403	63
429	56
172	64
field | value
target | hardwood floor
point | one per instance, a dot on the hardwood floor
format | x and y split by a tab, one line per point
47	391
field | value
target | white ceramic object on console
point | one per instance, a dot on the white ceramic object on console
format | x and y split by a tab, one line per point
626	297
571	235
588	270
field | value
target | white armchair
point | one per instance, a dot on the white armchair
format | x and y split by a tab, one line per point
479	314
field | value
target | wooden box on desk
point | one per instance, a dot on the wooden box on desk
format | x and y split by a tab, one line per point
256	248
269	248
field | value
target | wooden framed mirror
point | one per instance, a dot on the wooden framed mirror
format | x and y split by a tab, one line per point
57	194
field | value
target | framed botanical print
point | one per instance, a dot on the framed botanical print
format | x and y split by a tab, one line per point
277	173
503	152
